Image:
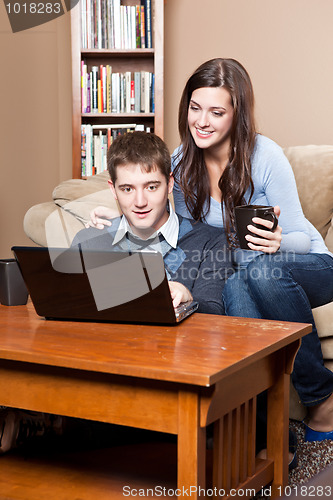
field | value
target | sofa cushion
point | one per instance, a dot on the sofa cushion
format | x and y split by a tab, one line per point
329	237
327	348
313	169
323	317
80	196
329	364
71	189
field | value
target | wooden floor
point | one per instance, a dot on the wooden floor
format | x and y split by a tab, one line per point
88	475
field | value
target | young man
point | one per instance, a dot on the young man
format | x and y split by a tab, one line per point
196	257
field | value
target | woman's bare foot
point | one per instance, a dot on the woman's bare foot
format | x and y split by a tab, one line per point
320	417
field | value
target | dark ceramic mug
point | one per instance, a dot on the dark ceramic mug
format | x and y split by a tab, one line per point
244	215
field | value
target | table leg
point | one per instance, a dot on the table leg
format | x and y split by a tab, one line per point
278	430
191	447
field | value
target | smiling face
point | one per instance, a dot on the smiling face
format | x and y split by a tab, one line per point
142	197
210	118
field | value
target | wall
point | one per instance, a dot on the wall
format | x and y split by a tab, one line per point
285	45
35	134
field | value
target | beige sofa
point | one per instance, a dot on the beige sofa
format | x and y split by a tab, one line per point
56	222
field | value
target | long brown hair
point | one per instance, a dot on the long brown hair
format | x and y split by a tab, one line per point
191	171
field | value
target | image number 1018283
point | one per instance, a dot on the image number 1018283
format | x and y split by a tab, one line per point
27	14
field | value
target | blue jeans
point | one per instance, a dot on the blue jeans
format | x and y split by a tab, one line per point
285	287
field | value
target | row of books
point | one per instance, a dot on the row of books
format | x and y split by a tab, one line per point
103	91
107	24
95	141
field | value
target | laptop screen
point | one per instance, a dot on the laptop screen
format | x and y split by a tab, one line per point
97	285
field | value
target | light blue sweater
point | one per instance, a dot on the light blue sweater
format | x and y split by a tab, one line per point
274	184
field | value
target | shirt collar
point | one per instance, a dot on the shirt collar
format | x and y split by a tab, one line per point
169	230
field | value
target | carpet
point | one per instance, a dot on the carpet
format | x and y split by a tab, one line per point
312	459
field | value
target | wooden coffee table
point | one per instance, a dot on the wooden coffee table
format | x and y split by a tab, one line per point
176	380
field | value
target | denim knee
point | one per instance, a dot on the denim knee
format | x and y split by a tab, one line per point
237	299
263	272
234	283
230	290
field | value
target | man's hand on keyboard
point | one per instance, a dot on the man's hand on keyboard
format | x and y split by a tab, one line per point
179	293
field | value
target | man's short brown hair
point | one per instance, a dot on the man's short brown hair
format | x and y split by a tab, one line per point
139	148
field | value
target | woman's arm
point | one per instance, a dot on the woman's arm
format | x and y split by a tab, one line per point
275	185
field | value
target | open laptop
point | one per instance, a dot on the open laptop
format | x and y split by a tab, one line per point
92	285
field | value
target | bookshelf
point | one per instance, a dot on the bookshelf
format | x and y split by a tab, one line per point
121	61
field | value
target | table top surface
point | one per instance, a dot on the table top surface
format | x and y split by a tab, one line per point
200	351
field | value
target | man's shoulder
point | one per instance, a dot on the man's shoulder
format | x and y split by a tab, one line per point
201	231
200	227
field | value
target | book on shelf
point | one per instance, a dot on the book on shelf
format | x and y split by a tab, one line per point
138	26
115	93
142	27
152	94
137	92
132	94
142	91
94	89
109	24
84	86
148	25
103	71
108	88
99	96
115	43
129	92
99	21
95	141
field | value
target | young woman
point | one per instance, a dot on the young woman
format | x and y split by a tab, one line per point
223	162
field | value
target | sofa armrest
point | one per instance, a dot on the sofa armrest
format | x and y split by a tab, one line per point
313	169
56	223
35	225
323	317
329	236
